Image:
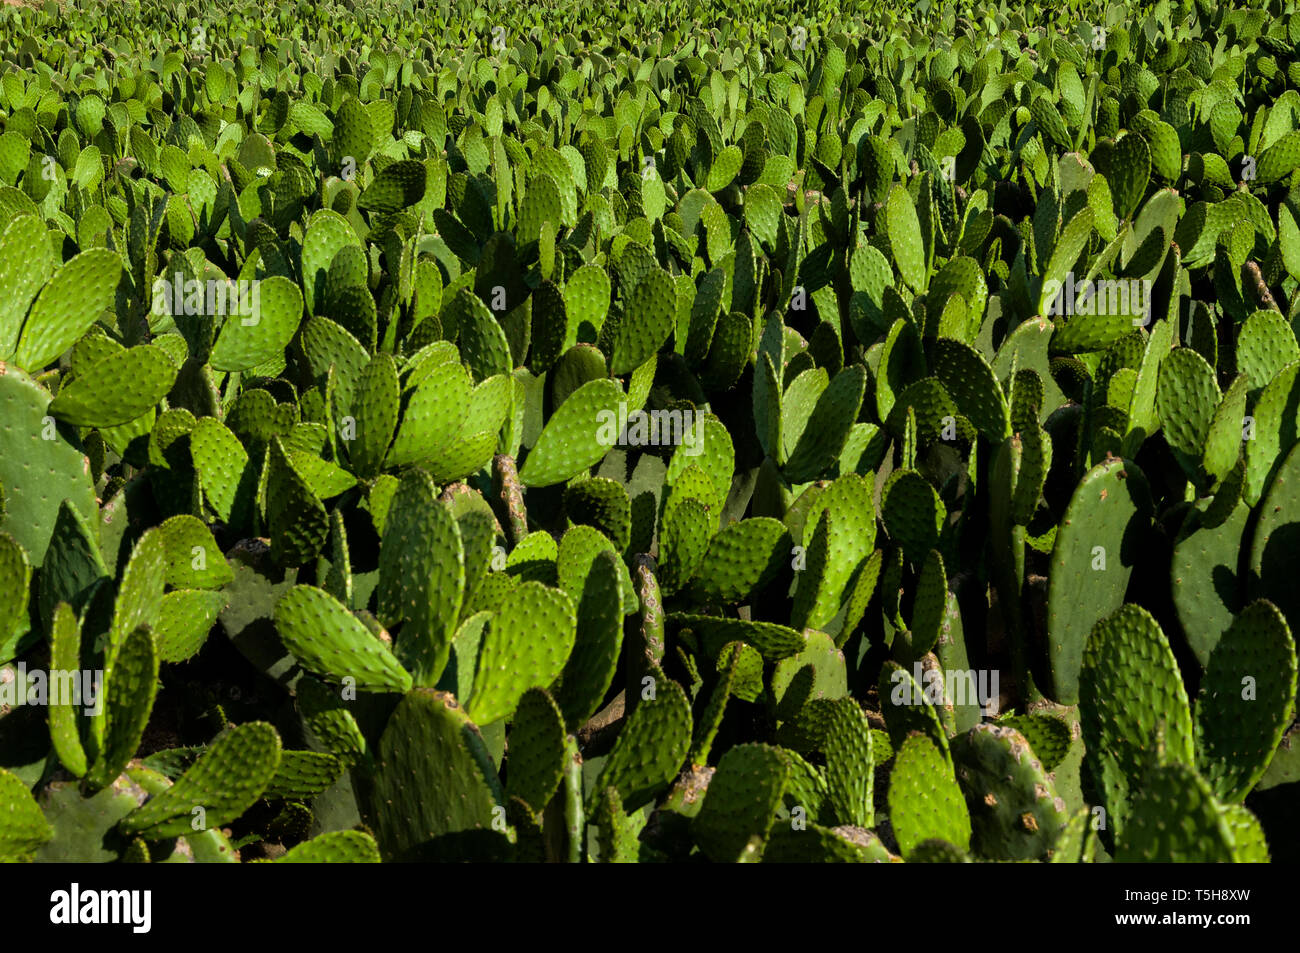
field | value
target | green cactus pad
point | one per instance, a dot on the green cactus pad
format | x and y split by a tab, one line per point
26	263
1200	834
421	577
184	621
536	744
924	799
1131	695
910	705
742	559
1246	702
131	682
590	669
602	504
335	847
740	804
296	517
67	306
1204	574
435	776
773	641
225	781
65	656
36	474
222	467
1015	813
526	646
1273	545
1095	550
971	383
912	512
652	745
571	441
194	561
303	774
249	340
648	321
116	389
331	642
23	828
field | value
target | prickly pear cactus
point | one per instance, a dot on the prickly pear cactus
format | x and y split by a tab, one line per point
805	432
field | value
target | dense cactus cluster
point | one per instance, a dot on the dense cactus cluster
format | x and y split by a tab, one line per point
734	432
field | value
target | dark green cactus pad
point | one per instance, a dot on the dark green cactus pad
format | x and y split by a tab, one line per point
911	706
1015	813
73	564
912	512
1204	574
650	312
1174	819
1247	701
773	641
296	517
971	383
651	746
815	844
333	643
397	186
742	559
1048	736
1271	573
303	774
590	669
924	799
526	646
1131	698
536	744
225	781
603	504
740	804
934	850
130	685
82	827
326	716
15	583
1097	546
430	745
